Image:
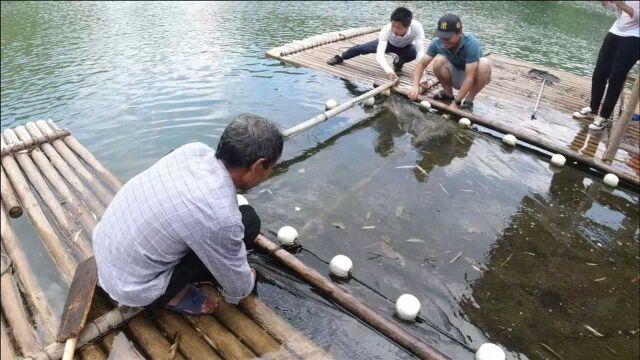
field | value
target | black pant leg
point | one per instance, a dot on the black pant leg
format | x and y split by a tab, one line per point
627	53
362	49
602	70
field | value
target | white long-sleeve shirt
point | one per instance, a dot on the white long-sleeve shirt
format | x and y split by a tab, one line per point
414	35
626	25
187	200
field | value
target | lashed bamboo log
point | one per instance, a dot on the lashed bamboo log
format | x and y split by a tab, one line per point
7	352
92	330
92	352
13	309
70	202
281	330
88	157
189	343
256	338
150	339
350	303
8	196
219	337
620	126
63	168
25	274
70	158
19	146
55	246
69	230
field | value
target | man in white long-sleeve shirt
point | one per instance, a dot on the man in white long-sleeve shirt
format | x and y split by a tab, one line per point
178	222
403	36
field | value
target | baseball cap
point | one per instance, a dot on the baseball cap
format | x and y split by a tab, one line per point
447	26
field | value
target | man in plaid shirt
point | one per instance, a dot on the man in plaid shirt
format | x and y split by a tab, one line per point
179	223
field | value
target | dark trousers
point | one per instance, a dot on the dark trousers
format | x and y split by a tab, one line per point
616	57
191	270
405	54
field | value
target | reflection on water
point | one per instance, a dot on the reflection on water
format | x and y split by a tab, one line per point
489	239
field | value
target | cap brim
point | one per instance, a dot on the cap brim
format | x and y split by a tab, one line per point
444	34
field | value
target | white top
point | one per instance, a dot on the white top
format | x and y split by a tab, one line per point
185	201
414	35
626	25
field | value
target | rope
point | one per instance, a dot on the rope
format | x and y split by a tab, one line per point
377	292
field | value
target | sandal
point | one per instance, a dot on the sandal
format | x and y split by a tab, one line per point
442	96
191	303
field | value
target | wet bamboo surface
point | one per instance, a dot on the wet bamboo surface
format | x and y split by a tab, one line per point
64	190
507	102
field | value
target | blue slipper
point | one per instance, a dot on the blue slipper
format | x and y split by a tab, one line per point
191	303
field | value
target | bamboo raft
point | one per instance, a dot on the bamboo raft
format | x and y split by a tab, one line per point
505	105
63	189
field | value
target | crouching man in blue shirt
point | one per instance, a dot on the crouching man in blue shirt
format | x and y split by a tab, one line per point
457	63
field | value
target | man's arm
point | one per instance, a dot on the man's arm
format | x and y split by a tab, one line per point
383	38
417	75
225	255
633	13
469	75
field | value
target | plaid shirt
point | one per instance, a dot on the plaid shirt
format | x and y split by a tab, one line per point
186	200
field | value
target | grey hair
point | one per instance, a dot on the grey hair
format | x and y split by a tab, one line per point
247	139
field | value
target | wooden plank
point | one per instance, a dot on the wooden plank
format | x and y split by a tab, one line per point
78	300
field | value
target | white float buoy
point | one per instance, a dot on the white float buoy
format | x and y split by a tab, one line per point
242	200
369	102
330	104
611	180
287	235
509	140
464	123
425	105
489	351
407	307
386	92
340	265
558	160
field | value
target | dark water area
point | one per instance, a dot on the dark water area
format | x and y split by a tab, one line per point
497	245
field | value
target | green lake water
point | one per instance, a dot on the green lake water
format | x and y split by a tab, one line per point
542	252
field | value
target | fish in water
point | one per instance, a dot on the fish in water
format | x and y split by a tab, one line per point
388	251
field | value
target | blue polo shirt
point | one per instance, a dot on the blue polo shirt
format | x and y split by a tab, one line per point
469	50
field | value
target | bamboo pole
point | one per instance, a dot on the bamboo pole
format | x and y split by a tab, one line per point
92	352
27	278
219	337
92	330
88	157
69	230
8	196
189	343
69	157
7	352
70	202
63	168
256	338
350	303
297	129
620	126
55	246
13	308
281	330
150	339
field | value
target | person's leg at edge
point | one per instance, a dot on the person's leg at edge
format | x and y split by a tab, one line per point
405	55
627	53
602	70
441	70
362	49
482	78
